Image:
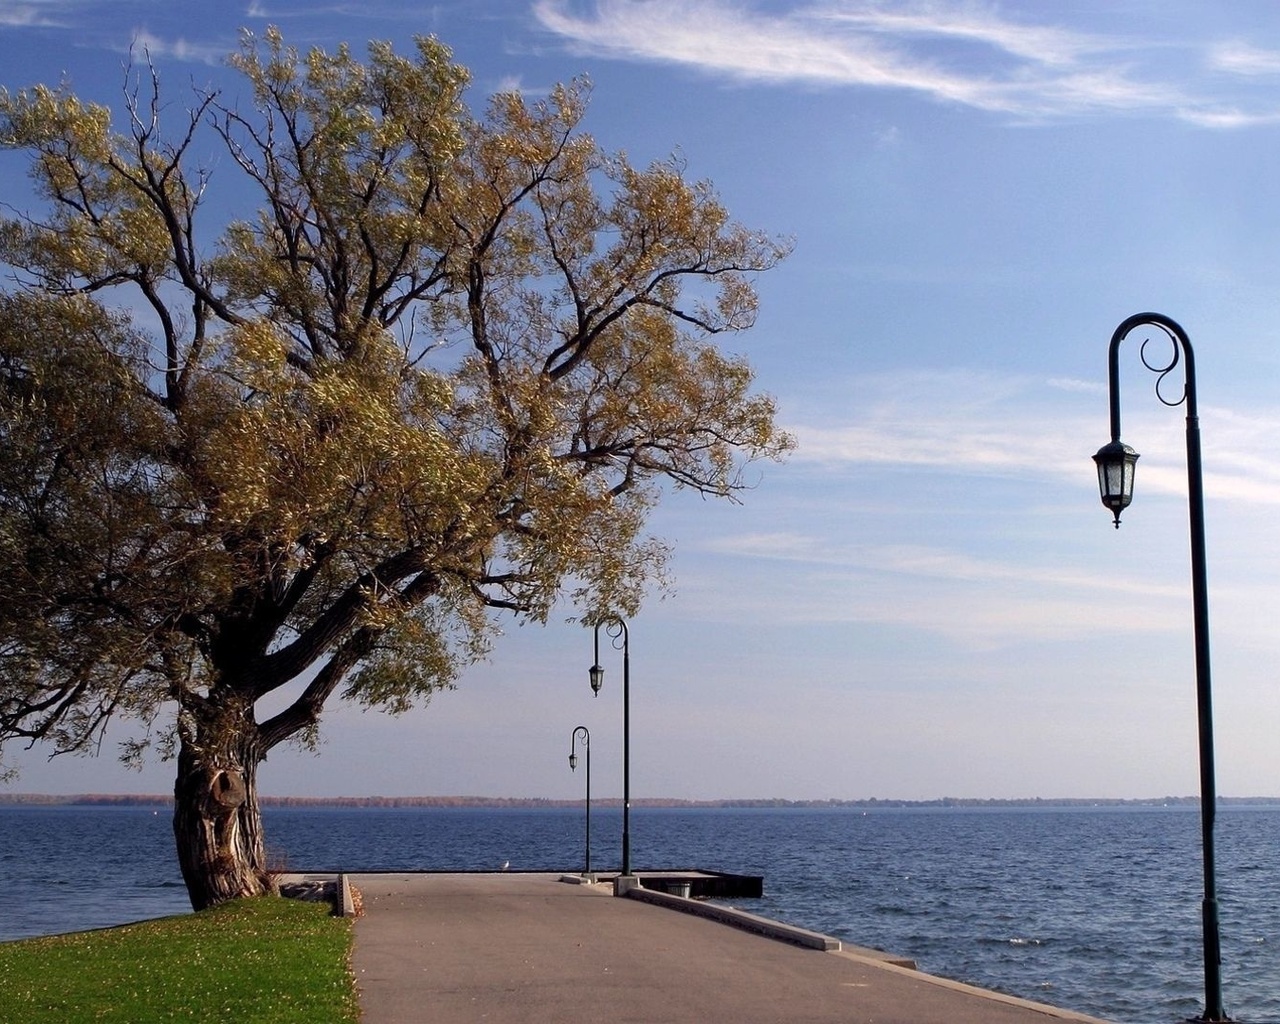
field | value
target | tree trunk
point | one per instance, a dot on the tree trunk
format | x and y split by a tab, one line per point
217	823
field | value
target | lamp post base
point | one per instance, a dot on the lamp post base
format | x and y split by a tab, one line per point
623	884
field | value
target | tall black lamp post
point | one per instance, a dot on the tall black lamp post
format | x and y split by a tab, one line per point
573	766
1116	463
616	628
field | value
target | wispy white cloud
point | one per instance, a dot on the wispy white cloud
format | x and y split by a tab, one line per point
180	49
1241	58
953	440
274	12
1092	387
932	564
1241	465
71	16
969	54
31	15
1044	44
995	425
929	441
977	603
959	423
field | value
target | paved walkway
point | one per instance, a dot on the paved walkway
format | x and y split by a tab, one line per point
518	948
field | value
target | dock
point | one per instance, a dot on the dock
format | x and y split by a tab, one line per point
694	883
530	949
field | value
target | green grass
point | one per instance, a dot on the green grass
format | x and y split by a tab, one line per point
257	961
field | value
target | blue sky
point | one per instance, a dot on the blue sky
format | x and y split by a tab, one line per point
928	598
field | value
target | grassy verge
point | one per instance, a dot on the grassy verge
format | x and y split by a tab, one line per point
267	960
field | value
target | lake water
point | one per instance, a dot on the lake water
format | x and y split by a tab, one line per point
1092	909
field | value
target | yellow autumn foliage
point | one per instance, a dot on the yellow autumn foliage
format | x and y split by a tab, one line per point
442	364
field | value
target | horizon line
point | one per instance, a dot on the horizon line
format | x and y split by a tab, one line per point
465	800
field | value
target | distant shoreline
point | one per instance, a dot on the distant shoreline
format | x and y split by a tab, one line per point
872	803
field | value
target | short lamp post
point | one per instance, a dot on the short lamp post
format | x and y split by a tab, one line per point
1116	463
573	766
616	628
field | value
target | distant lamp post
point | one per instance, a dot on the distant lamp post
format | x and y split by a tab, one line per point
573	766
616	628
1116	463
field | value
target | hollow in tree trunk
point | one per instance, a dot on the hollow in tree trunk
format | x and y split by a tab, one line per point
217	822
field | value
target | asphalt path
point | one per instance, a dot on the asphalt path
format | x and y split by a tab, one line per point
454	948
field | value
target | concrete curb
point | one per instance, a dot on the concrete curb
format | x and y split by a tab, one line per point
313	886
762	925
344	904
1054	1012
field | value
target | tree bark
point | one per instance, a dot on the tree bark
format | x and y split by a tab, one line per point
217	823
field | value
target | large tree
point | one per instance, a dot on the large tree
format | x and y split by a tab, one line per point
445	368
